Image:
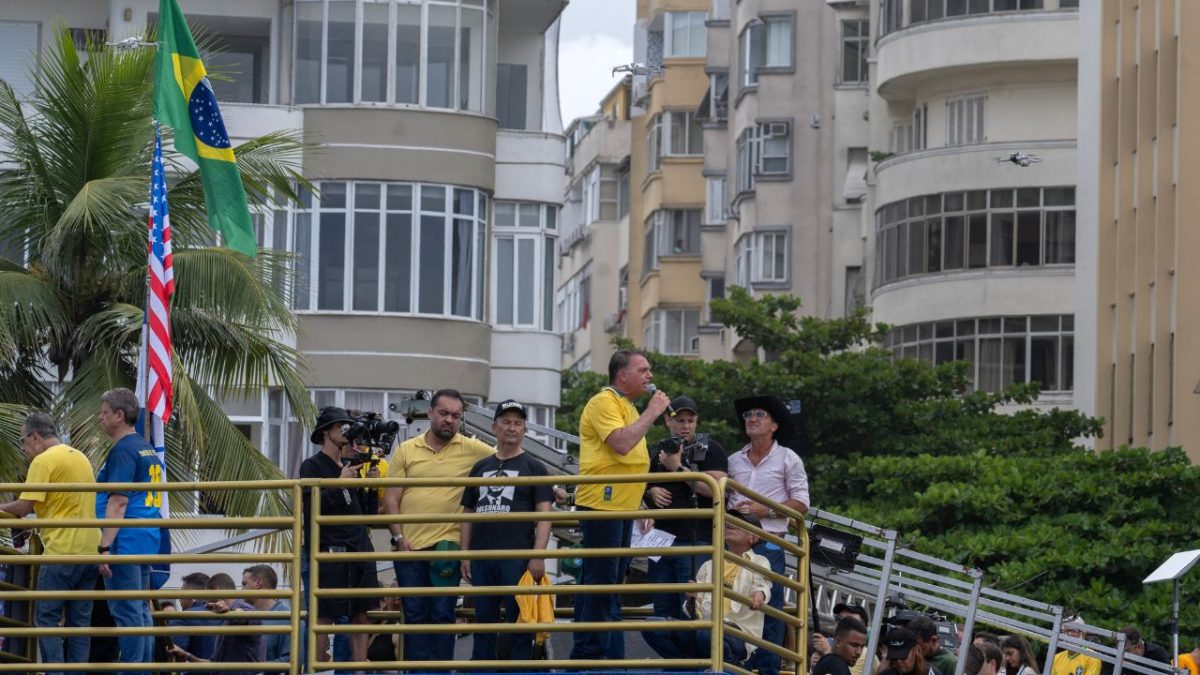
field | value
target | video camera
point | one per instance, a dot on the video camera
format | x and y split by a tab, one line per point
693	453
369	429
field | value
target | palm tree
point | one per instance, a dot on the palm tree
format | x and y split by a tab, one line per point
73	193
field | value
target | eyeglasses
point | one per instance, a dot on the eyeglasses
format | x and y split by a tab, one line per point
754	414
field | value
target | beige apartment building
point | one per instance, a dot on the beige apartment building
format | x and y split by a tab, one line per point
1137	304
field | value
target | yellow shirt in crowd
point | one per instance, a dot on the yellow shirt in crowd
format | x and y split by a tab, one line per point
606	412
63	464
1071	663
383	471
1186	661
415	459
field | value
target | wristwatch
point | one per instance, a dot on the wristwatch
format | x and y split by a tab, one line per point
103	549
396	540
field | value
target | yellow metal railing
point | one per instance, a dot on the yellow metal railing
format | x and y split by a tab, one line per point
292	560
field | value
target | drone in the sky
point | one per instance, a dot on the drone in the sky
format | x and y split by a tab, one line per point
638	69
1019	158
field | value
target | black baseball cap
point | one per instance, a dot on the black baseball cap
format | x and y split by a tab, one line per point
681	403
900	642
509	404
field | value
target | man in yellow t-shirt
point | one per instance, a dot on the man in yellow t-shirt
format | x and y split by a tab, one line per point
612	442
441	452
53	462
1068	662
1191	661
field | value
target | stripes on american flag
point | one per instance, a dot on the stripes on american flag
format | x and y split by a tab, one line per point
156	373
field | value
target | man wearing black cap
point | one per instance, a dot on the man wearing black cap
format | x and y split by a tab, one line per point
903	656
334	461
768	467
510	461
685	450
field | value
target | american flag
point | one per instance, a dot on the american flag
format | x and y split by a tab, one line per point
154	372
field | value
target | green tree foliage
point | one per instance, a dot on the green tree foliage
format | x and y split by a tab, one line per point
73	276
969	476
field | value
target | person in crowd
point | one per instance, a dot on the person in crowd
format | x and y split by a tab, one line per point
849	641
386	646
234	648
983	659
440	452
510	461
985	636
1018	656
1190	660
612	441
767	466
903	655
822	645
51	461
1070	662
334	460
131	460
1136	645
706	455
277	647
931	646
199	645
748	618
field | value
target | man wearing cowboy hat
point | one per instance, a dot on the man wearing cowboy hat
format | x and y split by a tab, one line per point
767	466
330	433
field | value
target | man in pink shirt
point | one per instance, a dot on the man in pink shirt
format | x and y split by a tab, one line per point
767	466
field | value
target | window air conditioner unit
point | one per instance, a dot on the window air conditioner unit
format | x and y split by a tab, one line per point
775	129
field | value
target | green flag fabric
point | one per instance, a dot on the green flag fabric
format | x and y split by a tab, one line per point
184	100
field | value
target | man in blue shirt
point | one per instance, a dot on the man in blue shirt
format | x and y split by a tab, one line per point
131	460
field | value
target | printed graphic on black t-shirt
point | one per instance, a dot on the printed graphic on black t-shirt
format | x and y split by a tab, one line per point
505	499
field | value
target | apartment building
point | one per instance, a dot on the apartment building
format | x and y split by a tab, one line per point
594	240
427	259
1136	323
973	255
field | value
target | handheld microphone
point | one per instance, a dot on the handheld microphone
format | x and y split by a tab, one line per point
650	389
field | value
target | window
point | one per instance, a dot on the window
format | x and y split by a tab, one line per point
1001	350
890	16
766	43
763	150
714	200
671	232
855	290
901	138
623	191
685	34
392	248
920	127
954	231
964	120
716	291
238	52
511	94
22	41
575	298
600	194
524	239
341	53
683	133
761	258
855	48
922	11
673	331
654	144
743	260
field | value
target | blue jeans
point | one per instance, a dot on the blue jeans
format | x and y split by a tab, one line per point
602	606
131	613
425	646
487	608
765	662
674	569
693	644
49	613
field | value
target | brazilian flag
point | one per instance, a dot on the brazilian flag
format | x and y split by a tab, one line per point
184	100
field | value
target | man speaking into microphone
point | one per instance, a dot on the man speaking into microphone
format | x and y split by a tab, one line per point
612	441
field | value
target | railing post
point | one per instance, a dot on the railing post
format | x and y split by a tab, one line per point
294	660
717	634
969	621
885	576
1052	648
314	544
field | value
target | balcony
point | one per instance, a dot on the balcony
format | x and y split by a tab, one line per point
926	52
973	167
992	292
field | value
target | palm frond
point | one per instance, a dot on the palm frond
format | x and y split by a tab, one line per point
12	461
31	314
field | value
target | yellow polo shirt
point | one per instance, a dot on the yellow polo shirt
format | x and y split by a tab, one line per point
415	459
63	464
1074	663
606	412
1186	661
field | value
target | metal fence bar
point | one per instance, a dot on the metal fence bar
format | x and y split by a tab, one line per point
880	598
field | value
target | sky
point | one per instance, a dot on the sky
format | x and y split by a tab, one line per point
596	36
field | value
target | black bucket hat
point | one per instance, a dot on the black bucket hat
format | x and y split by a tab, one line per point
328	417
776	408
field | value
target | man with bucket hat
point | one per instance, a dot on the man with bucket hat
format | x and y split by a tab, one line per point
767	466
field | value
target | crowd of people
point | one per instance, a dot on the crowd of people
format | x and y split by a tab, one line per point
613	446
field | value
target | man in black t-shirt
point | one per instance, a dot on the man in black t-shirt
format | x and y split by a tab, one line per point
705	455
510	461
848	640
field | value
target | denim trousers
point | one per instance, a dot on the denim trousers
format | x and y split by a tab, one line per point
487	608
78	613
131	613
674	569
765	662
439	610
602	606
693	644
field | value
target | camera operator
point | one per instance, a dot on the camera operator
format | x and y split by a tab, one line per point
684	450
339	458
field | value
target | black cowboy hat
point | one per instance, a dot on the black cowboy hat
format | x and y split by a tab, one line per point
328	417
776	408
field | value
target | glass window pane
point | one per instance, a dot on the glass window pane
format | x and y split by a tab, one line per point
366	196
977	241
1028	198
1001	250
1002	199
332	273
463	202
461	268
307	78
674	333
916	248
399	197
1068	362
1015	324
1029	235
548	284
1044	324
481	263
512	93
302	242
375	52
408	53
1064	196
779	43
525	273
339	59
439	54
1014	360
955	242
990	365
470	68
530	215
933	259
398	271
366	261
433	198
1060	237
432	273
506	214
954	201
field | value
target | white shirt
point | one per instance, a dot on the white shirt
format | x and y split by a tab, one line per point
780	476
746	583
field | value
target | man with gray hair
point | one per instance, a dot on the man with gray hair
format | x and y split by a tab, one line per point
51	461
